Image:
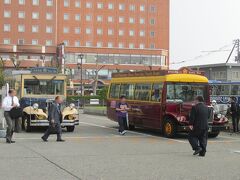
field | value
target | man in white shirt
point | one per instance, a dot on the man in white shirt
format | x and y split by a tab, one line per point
10	102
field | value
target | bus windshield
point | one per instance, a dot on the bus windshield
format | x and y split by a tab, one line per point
43	87
185	92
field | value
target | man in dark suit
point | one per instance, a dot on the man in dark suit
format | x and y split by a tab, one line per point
55	120
198	125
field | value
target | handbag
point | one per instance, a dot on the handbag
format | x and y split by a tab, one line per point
16	112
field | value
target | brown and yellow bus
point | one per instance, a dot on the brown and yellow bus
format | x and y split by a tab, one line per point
161	99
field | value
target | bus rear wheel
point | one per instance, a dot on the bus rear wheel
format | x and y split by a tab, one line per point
213	134
70	128
169	128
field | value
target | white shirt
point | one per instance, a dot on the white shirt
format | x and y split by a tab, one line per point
7	103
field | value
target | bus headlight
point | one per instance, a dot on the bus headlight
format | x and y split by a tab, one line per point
219	116
71	105
35	106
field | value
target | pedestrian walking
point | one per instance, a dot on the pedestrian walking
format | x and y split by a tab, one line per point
9	102
198	125
55	120
121	109
234	114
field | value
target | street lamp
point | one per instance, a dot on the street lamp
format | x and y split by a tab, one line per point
79	64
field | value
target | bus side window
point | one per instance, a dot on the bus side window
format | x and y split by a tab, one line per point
156	92
114	91
127	90
142	92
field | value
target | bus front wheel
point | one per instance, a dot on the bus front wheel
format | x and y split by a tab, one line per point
26	124
169	128
213	134
70	128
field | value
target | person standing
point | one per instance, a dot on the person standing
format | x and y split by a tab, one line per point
10	102
55	120
122	108
198	125
234	114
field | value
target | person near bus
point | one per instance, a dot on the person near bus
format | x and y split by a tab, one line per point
121	109
198	125
9	102
55	120
234	114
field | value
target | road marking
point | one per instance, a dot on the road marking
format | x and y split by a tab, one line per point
133	132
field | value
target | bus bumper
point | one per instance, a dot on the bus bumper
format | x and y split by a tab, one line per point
212	128
45	123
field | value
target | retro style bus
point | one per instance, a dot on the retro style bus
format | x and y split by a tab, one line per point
37	89
162	99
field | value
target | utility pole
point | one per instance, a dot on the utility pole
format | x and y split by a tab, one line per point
237	58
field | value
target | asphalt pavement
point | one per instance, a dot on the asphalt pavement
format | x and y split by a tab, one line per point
95	151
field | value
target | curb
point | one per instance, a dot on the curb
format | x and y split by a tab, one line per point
95	112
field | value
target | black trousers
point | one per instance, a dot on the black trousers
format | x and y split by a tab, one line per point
198	139
122	121
53	128
235	122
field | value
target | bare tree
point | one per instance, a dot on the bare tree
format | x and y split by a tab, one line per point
95	78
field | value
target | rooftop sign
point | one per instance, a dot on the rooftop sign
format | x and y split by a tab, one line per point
44	70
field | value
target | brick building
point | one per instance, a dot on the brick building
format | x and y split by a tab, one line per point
113	34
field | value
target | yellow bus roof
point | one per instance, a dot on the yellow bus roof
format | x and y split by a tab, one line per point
167	78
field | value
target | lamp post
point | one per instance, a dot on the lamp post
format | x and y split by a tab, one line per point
79	64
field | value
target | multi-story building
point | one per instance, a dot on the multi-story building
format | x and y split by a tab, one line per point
113	34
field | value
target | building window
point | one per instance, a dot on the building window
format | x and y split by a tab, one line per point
21	2
142	33
152	21
110	6
35	15
152	34
77	30
110	32
21	28
152	8
131	46
35	2
77	43
49	29
99	44
121	32
99	31
7	27
34	42
152	46
49	16
77	17
6	41
7	1
34	28
142	8
66	16
99	18
100	5
110	19
131	33
110	44
48	42
66	42
141	46
88	17
121	45
66	30
142	21
49	2
121	20
7	14
77	4
88	31
121	7
88	5
66	3
20	41
131	20
88	44
132	7
21	15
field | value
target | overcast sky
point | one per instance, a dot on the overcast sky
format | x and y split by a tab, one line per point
202	25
